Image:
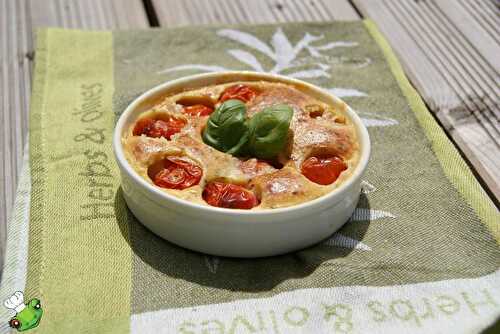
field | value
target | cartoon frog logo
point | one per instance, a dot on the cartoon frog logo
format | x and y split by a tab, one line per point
27	315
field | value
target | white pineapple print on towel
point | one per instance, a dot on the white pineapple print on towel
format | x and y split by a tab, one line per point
370	119
284	55
359	215
212	263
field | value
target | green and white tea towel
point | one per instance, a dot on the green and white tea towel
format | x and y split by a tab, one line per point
419	255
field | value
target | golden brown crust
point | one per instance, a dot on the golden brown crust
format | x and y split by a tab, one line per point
316	128
285	187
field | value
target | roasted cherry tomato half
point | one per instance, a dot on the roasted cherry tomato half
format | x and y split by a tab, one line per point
323	170
238	92
158	128
227	195
177	174
197	110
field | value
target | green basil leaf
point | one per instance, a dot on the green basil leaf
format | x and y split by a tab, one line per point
227	128
269	131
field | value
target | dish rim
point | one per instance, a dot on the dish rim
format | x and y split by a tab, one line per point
362	132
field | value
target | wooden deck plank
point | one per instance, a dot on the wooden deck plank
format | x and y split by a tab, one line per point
485	16
17	19
88	14
259	11
462	65
14	98
339	10
470	28
175	13
449	58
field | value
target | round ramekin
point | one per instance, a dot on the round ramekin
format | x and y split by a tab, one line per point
228	232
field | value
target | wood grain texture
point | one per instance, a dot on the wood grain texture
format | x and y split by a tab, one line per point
472	28
88	14
486	15
15	73
18	18
453	62
188	12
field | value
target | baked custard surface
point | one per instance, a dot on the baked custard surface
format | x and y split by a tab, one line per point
316	129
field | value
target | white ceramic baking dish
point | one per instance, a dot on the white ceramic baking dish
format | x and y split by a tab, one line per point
229	232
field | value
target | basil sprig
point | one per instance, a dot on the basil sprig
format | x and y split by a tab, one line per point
262	136
227	129
269	131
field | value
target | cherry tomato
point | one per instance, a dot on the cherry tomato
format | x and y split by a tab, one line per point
198	110
227	195
323	170
143	126
177	174
158	128
238	92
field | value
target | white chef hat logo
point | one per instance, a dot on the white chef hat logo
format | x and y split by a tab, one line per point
15	302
